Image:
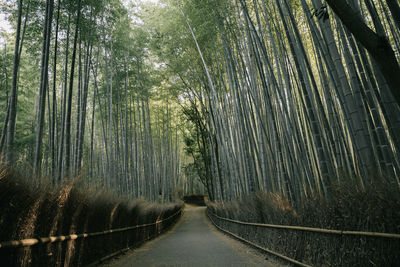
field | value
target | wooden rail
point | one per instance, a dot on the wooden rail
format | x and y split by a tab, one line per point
289	227
52	239
311	229
297	263
105	258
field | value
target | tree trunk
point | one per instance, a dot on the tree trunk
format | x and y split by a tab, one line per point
71	86
43	87
377	46
13	95
395	10
53	128
63	112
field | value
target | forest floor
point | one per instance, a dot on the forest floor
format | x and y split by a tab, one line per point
194	241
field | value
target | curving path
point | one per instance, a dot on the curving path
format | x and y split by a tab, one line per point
192	242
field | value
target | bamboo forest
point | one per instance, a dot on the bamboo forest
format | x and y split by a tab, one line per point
275	121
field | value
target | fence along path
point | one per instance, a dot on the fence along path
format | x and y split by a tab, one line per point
289	227
52	239
310	229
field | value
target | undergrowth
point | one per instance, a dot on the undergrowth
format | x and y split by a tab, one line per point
29	210
375	208
197	200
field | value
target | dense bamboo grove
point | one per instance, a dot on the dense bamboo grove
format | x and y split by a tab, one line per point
234	96
287	99
78	98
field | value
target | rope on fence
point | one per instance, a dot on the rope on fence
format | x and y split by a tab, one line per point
310	229
33	241
298	263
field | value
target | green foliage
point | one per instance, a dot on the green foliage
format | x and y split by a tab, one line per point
197	145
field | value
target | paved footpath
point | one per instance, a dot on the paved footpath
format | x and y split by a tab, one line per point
194	241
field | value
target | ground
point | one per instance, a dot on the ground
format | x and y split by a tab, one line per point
193	241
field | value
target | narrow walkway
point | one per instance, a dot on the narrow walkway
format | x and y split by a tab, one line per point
192	242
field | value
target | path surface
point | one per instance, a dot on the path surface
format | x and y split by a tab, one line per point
192	242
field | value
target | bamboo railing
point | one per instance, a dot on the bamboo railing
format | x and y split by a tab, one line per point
311	229
211	215
53	239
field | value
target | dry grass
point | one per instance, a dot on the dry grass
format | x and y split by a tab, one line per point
30	210
374	209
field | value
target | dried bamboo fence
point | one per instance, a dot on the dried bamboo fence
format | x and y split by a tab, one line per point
309	246
129	240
